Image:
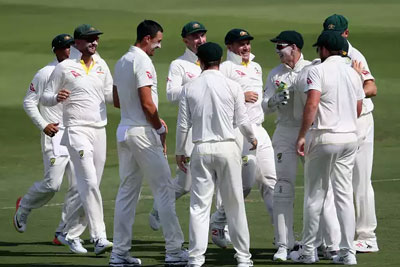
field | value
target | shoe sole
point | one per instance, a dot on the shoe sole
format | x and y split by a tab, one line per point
124	265
170	264
15	223
56	242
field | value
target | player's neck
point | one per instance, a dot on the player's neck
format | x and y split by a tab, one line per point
87	59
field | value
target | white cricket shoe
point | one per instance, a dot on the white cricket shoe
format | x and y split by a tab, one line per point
117	260
20	217
102	245
345	257
366	246
298	256
177	259
281	254
74	245
154	220
245	264
218	237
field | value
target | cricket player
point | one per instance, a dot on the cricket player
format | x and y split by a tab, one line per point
281	95
364	198
141	137
55	157
181	71
334	100
84	85
211	104
257	164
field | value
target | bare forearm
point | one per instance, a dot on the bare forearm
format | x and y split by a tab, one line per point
151	113
310	110
370	88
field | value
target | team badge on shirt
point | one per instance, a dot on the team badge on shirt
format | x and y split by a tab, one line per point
32	88
245	160
52	161
257	71
279	157
149	75
81	153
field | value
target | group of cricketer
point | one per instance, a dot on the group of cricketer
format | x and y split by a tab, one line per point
324	119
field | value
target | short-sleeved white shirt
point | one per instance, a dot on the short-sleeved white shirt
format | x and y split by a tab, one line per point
43	115
341	87
211	104
133	71
90	90
181	71
287	115
354	54
249	76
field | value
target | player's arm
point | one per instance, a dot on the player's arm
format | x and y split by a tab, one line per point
182	128
54	92
108	86
369	85
174	83
116	97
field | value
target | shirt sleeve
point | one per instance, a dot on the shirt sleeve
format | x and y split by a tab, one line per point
313	80
174	83
184	123
240	111
269	91
31	101
143	72
55	84
358	86
108	86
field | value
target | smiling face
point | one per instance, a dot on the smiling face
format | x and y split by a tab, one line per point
194	40
62	53
88	45
153	43
241	48
285	52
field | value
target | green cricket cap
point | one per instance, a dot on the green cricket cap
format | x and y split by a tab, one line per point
336	23
235	35
331	40
192	27
209	52
85	30
62	41
290	37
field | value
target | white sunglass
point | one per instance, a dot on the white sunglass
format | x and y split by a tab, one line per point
281	46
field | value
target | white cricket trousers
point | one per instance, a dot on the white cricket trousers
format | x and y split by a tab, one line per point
364	197
87	149
258	166
217	165
286	161
329	157
141	155
41	192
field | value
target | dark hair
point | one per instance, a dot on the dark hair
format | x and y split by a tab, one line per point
148	27
210	64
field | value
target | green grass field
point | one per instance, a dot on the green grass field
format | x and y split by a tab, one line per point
27	28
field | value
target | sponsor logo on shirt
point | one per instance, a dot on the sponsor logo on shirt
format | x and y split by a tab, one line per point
32	88
168	79
365	72
277	82
149	75
241	74
190	75
309	81
76	74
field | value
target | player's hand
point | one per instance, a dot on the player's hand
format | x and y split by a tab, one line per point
163	138
279	98
180	161
165	125
357	66
254	144
51	129
63	94
300	146
250	97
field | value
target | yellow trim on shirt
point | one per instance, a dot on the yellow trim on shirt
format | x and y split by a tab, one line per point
245	64
86	68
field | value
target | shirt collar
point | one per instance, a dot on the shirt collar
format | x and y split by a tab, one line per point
190	56
136	49
350	49
236	58
334	58
298	66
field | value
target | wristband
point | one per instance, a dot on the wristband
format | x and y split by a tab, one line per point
161	130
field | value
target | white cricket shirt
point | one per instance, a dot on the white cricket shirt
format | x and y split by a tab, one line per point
90	90
341	87
181	71
133	71
287	115
210	104
42	115
249	76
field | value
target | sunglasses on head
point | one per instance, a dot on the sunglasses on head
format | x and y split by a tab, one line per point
91	38
281	46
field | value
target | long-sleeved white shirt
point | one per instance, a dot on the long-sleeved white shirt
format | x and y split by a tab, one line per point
341	88
249	76
181	71
42	115
287	114
211	104
90	90
354	54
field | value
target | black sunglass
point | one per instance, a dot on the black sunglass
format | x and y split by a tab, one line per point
91	39
281	46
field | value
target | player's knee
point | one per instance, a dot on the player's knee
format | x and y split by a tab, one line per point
284	190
